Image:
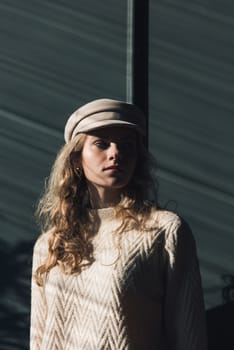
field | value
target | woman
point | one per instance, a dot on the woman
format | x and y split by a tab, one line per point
112	270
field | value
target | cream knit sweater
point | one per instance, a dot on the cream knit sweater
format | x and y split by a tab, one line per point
141	293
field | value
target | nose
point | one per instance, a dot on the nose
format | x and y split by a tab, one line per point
114	151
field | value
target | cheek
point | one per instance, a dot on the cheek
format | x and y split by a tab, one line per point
133	167
91	160
130	167
134	164
85	157
87	161
132	160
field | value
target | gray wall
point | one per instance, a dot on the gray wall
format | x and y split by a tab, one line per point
192	125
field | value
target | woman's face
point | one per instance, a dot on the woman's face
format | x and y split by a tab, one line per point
109	157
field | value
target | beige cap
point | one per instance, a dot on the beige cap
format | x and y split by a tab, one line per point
102	113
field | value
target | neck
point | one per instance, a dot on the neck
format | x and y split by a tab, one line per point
102	197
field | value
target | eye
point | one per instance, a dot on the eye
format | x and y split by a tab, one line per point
128	145
102	144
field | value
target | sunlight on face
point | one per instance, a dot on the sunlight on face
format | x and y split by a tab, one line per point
109	157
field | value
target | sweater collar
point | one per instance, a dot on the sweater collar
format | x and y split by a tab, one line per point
104	214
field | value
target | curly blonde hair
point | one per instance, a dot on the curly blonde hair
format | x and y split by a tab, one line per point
63	209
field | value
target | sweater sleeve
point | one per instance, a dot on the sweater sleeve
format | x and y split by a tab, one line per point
38	300
184	312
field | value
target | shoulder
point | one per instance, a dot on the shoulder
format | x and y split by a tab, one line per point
40	250
172	227
178	241
165	220
41	244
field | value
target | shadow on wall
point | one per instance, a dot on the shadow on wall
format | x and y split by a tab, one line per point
220	320
15	272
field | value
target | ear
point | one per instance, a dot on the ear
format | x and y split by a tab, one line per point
76	163
76	160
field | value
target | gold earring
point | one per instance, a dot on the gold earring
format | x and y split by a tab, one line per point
78	171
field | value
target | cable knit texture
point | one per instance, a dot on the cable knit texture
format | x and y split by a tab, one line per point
142	292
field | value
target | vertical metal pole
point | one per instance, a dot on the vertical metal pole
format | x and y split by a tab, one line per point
130	49
138	55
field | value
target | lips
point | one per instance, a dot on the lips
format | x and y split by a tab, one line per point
113	167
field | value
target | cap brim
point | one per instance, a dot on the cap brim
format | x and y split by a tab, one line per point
107	123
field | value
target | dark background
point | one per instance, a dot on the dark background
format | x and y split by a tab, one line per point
57	55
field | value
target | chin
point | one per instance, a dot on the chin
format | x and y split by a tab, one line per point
118	185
